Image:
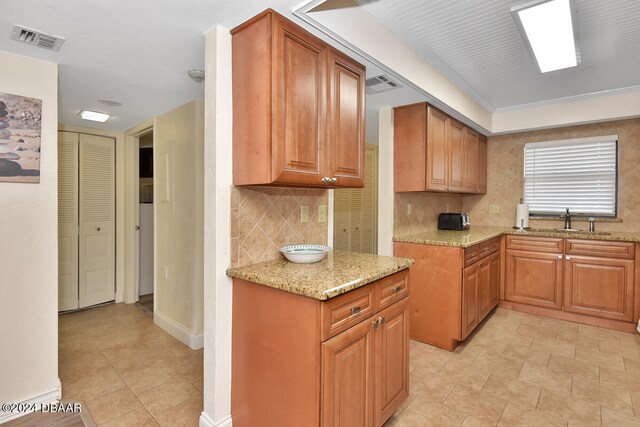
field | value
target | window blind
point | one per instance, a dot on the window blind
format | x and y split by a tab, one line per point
579	174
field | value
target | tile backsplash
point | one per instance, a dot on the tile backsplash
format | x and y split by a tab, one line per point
425	208
505	159
264	219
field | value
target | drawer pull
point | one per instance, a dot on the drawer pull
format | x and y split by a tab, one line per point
560	256
567	257
355	310
396	289
382	320
375	323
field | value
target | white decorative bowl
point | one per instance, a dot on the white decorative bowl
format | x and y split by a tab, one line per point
305	254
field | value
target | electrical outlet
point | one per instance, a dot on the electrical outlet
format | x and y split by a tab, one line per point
408	208
322	213
494	209
304	213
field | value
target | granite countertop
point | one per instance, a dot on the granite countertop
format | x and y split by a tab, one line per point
479	234
339	272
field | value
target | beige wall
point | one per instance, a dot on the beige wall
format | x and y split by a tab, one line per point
265	219
179	230
29	247
505	174
425	208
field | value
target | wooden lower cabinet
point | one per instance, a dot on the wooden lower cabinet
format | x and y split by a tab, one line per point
534	278
580	280
601	287
297	361
453	289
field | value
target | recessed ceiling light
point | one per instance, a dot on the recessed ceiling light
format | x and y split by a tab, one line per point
94	116
110	102
549	29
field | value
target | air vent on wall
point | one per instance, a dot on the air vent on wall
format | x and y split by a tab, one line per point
380	83
36	38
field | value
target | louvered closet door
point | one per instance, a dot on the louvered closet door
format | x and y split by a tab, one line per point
97	220
368	223
67	221
341	214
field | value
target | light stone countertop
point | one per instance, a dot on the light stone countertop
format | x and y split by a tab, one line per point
479	234
339	272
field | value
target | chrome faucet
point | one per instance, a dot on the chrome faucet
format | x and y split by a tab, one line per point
567	220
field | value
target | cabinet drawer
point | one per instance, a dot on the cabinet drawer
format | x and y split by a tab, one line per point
535	244
494	245
344	311
600	248
484	249
391	289
471	255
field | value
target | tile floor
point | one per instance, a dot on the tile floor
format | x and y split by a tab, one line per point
524	370
126	370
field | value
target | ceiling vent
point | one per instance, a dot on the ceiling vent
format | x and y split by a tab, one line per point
36	38
381	83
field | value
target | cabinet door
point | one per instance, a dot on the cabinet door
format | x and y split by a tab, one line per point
484	288
456	182
299	106
391	360
410	147
470	279
599	287
471	161
482	165
534	278
437	152
346	121
347	377
494	278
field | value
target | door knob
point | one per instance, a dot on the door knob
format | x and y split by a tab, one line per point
97	228
137	227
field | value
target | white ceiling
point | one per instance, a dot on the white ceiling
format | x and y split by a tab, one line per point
136	52
476	43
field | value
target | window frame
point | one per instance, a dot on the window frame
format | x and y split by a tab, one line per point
600	138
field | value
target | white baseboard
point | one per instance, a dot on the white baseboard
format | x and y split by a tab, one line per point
206	421
42	398
178	331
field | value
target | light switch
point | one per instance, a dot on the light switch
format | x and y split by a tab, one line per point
494	209
322	213
304	213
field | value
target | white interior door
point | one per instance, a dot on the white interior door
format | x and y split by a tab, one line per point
67	221
97	220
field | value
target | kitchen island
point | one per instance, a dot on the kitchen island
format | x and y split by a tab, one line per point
320	344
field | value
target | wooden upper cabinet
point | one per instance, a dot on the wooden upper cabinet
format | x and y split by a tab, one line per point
471	161
433	152
482	164
457	161
410	148
298	108
346	120
437	150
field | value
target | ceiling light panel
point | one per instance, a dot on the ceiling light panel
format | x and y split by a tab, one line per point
94	116
549	31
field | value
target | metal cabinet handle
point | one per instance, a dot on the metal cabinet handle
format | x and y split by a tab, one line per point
382	320
334	180
375	324
355	310
396	289
560	256
567	257
326	180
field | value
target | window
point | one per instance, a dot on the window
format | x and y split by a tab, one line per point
579	174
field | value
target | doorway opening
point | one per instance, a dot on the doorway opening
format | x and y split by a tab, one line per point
145	222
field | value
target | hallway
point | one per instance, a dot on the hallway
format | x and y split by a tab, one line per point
128	371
